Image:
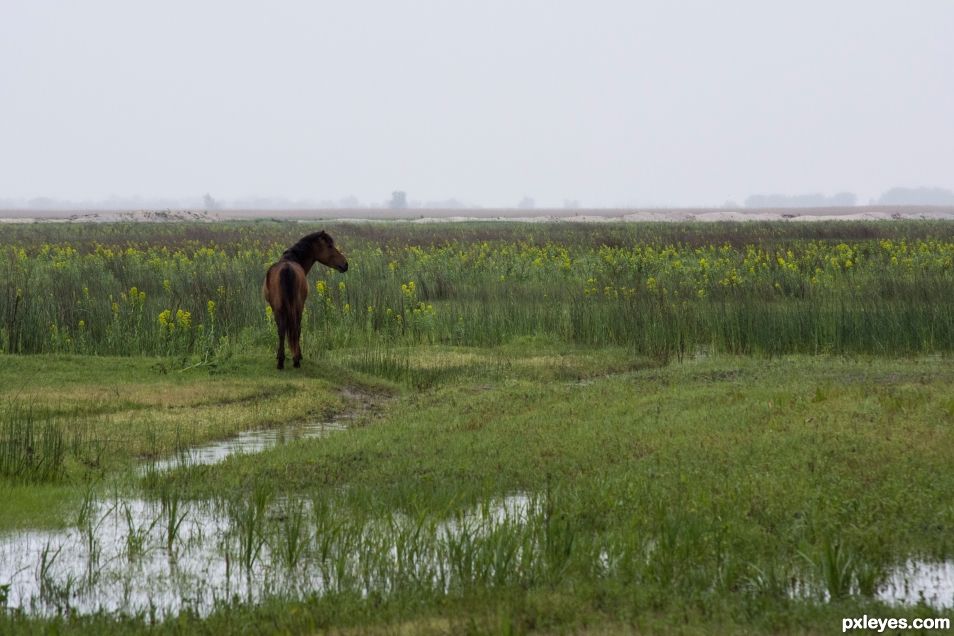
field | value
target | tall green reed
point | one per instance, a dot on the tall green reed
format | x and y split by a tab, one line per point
32	445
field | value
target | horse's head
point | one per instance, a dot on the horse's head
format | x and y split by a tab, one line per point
325	252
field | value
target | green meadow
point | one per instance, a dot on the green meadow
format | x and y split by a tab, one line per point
532	428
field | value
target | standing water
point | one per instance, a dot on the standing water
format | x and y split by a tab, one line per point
156	558
254	441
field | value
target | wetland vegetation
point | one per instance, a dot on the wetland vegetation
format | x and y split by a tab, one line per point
548	427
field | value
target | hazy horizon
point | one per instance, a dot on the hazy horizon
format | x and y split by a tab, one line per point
607	104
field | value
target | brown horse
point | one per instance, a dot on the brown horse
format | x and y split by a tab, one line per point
286	287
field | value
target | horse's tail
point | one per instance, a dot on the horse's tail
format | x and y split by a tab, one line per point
287	283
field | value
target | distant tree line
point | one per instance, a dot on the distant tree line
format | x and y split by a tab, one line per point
917	196
842	199
894	196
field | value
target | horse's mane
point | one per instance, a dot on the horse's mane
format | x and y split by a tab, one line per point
302	249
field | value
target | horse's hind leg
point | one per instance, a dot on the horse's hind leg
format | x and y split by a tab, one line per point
280	354
294	335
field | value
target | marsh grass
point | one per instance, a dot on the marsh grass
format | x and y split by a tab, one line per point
578	369
403	366
137	533
293	538
33	445
74	427
191	294
248	516
571	543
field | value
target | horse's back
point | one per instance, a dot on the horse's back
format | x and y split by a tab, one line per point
285	284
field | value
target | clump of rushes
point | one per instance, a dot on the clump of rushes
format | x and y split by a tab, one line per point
170	502
32	445
249	521
292	538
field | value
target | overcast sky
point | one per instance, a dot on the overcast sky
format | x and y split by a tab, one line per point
667	102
